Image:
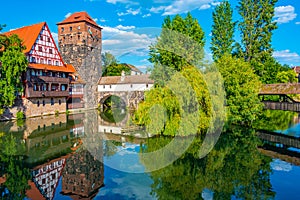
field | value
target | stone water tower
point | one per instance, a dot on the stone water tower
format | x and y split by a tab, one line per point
80	44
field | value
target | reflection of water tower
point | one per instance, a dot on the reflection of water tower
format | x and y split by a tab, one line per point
82	176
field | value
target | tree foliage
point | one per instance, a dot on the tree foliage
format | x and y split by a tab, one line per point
222	30
13	64
116	70
242	87
180	44
182	107
256	28
288	76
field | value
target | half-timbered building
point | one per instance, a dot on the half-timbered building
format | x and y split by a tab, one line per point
46	81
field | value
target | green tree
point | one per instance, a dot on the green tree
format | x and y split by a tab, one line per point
256	28
222	30
182	107
13	63
242	87
180	44
107	60
116	70
289	76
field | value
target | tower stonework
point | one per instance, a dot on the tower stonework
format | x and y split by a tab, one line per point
80	44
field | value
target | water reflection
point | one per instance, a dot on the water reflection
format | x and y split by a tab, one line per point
73	156
234	169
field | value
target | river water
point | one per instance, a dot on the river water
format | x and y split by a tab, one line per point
86	156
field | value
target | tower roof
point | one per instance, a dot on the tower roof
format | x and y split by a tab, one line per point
28	34
79	17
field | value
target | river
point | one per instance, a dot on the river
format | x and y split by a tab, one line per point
87	155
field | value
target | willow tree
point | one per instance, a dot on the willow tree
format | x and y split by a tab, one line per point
222	31
13	63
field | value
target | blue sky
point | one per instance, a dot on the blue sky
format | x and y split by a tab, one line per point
129	26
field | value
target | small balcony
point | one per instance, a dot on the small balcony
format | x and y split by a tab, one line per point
38	94
49	79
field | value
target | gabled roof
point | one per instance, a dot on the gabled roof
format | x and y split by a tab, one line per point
135	79
132	68
79	17
65	68
28	34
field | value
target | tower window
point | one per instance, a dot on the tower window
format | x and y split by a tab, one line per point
62	29
78	27
70	28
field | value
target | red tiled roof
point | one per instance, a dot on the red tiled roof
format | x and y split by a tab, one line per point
79	17
28	34
65	68
107	80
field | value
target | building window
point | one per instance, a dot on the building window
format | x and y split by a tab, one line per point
103	86
63	87
70	28
131	85
42	61
78	37
52	101
49	62
40	48
41	37
78	27
38	103
35	87
146	85
63	75
59	102
33	59
62	29
56	63
54	87
43	102
32	72
109	86
50	51
48	39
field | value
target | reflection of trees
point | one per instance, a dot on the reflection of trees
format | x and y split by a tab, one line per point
233	168
113	115
12	167
272	120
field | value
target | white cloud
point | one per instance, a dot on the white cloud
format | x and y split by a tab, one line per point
95	19
204	7
68	15
146	15
284	14
157	9
122	1
286	56
121	27
180	6
130	11
121	20
102	20
121	41
297	23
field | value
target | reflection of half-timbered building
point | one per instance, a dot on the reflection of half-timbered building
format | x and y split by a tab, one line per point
46	81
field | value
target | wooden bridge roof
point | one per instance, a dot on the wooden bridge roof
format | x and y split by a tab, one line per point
280	88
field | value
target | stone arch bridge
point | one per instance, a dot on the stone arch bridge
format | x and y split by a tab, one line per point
129	88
